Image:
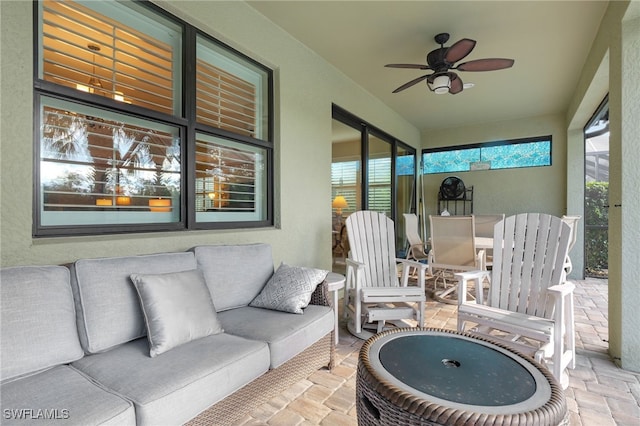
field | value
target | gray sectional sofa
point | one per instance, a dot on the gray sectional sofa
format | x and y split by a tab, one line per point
77	342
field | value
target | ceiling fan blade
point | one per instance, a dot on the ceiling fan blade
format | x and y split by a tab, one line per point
413	66
490	64
459	50
411	83
456	84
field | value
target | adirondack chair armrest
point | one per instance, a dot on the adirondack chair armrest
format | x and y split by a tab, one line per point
406	268
412	263
562	289
354	264
464	278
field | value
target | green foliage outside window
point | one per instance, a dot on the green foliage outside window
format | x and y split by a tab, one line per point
596	234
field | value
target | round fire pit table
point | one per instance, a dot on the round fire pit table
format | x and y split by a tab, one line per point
426	376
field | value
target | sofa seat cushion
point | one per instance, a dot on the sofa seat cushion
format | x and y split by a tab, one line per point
178	384
63	396
287	334
38	325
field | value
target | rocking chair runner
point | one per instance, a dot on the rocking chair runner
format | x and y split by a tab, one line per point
373	293
529	305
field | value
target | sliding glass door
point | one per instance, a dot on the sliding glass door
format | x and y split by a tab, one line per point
370	170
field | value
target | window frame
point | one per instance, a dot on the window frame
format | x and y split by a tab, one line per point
480	145
184	121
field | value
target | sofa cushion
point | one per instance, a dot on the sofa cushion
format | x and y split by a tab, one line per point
177	308
175	387
38	329
289	289
62	395
107	306
235	274
287	334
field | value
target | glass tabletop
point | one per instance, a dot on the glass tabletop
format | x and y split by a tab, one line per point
457	370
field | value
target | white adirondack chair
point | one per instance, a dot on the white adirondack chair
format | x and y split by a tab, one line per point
572	221
373	293
529	305
453	250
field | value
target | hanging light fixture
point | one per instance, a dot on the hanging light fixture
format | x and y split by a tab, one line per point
440	85
94	82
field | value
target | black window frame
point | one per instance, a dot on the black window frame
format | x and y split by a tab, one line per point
185	122
480	145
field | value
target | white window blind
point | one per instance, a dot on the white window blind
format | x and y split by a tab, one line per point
88	51
230	91
229	179
380	185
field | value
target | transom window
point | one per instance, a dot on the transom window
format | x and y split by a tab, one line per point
128	142
529	152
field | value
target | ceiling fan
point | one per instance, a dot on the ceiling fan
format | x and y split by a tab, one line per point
441	61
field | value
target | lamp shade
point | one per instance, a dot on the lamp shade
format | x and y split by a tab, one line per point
440	84
160	205
339	202
104	202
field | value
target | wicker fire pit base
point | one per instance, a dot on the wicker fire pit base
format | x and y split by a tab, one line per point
424	376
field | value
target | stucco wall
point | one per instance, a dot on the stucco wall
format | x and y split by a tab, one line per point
305	87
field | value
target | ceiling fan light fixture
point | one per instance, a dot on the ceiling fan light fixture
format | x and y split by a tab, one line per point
440	85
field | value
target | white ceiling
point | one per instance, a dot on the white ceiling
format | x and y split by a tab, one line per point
549	41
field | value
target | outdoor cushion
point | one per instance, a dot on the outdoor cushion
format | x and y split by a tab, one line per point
177	308
287	334
62	395
172	388
107	306
38	328
235	274
289	289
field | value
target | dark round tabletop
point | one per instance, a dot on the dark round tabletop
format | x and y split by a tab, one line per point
438	375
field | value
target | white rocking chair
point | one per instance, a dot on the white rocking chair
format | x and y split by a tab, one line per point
529	305
373	293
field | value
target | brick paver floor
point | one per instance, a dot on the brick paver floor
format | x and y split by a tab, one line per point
599	393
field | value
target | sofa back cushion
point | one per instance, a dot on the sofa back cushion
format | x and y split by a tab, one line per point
107	305
38	326
235	274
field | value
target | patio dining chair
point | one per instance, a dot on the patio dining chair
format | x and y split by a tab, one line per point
374	294
452	250
484	224
529	306
416	250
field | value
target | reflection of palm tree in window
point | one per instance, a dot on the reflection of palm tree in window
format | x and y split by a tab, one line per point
67	164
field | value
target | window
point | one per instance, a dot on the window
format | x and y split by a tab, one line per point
129	140
529	152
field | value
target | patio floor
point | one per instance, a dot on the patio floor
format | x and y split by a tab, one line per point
599	393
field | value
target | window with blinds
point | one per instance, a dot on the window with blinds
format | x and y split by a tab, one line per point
118	151
92	168
230	180
345	181
379	172
230	91
133	59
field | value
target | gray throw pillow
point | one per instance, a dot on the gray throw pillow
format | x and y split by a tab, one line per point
177	308
289	289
